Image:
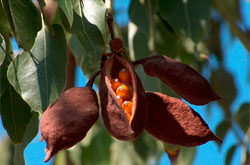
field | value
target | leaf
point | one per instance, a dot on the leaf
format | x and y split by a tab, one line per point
186	155
39	75
173	121
66	6
137	48
222	129
230	154
6	55
147	147
25	20
6	148
242	116
189	18
227	91
4	24
30	133
15	114
123	153
184	80
101	142
88	34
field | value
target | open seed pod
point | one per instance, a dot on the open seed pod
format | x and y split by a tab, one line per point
183	79
114	116
68	119
173	121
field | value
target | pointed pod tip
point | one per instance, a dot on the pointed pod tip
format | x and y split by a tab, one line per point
48	155
217	139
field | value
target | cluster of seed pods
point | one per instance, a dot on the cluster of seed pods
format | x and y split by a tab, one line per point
127	109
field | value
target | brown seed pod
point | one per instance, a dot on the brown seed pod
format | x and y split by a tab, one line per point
184	80
173	121
68	119
115	118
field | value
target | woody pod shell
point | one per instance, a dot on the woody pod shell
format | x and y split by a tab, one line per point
68	119
114	117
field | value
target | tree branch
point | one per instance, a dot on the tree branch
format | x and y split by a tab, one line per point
235	29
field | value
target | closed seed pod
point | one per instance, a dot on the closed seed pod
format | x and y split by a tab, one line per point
115	118
68	119
173	121
184	80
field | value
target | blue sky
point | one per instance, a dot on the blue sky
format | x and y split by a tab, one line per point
236	61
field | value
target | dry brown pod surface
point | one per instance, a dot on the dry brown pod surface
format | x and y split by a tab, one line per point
173	121
68	119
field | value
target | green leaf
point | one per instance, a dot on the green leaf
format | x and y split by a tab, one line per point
6	55
66	6
30	133
7	151
15	113
227	91
25	20
230	154
222	129
88	34
189	18
147	148
242	116
123	153
39	75
4	24
186	155
101	142
137	48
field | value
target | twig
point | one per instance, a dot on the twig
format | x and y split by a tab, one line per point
235	29
92	79
110	24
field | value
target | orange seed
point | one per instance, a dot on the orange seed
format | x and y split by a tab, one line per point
119	99
127	106
115	83
124	76
124	92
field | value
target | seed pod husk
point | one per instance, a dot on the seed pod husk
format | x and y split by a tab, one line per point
173	121
68	119
184	80
114	117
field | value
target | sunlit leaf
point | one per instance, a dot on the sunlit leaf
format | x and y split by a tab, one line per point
30	133
39	75
15	113
66	6
89	32
188	18
230	154
227	91
25	20
242	116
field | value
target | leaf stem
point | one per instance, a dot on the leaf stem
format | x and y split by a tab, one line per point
235	29
151	28
92	79
70	70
